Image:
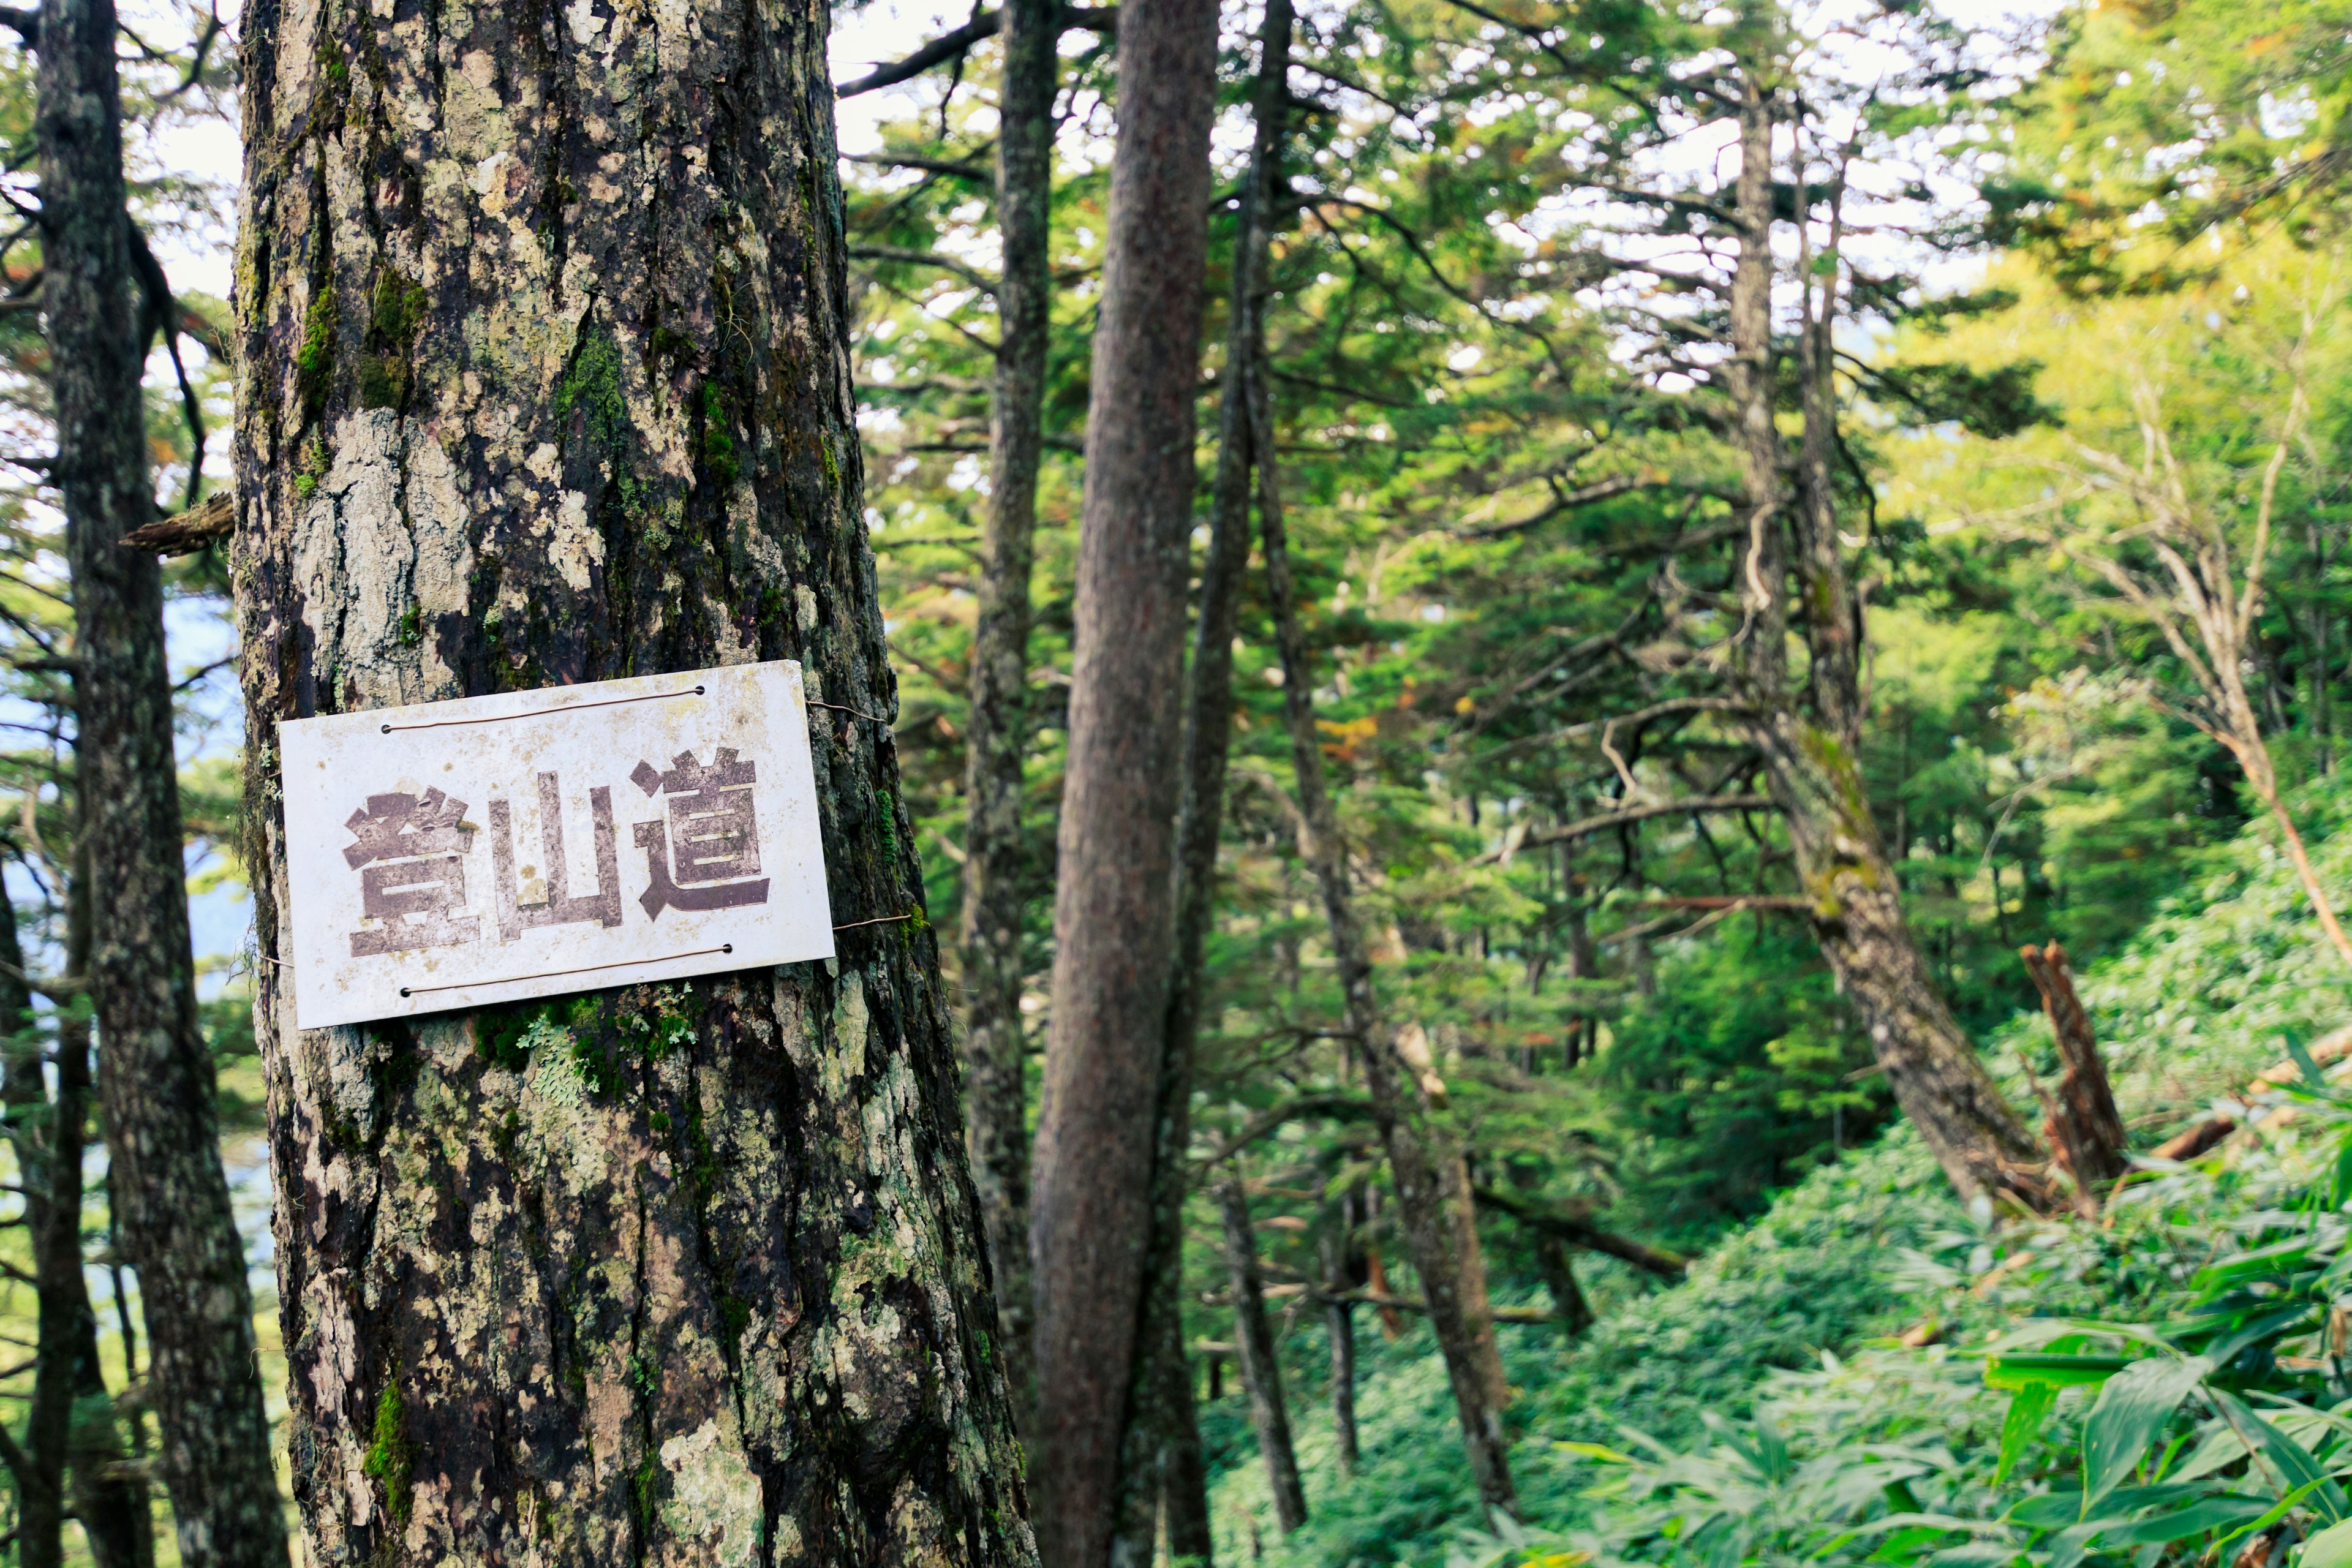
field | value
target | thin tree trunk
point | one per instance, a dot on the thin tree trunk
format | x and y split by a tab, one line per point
996	871
1568	1303
1164	1472
64	1438
156	1073
1185	1477
41	1128
1433	1189
582	413
1260	1371
1114	924
1339	1326
1810	762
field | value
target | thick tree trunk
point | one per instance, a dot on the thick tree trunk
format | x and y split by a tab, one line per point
996	871
1811	766
1260	1371
1113	909
1339	1326
544	380
1433	1189
1163	1473
156	1073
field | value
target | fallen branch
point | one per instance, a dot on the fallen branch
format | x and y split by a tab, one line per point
2205	1134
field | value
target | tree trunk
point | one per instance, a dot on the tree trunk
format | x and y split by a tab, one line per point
42	1127
1431	1187
2091	1131
544	380
1261	1372
1163	1461
996	871
1184	1475
1568	1303
66	1434
1339	1326
156	1072
1811	765
1113	911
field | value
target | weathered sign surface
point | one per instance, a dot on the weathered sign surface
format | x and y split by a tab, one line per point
459	854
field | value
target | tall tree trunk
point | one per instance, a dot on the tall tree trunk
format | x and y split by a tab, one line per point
544	379
1163	1465
1812	767
1339	1326
1433	1189
1261	1372
1114	924
155	1073
996	871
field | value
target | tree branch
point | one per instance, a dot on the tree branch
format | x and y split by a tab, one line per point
954	46
1588	826
1582	1233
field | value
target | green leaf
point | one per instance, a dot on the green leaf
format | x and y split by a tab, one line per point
2027	1412
2262	1521
1599	1451
2133	1407
2197	1519
2269	1325
2299	1474
2303	1064
2331	1548
2019	1372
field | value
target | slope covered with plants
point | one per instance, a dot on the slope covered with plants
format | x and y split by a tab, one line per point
1835	1380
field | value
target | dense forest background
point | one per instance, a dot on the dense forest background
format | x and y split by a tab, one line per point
2053	312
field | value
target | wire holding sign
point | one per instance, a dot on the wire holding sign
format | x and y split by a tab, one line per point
449	910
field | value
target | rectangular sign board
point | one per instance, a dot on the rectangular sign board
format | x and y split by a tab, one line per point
536	843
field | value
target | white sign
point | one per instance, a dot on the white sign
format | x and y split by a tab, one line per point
460	854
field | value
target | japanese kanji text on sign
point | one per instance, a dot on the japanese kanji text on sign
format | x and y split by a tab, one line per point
458	853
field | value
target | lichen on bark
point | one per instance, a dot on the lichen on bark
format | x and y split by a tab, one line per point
543	380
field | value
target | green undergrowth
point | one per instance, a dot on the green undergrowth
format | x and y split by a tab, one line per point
1851	1318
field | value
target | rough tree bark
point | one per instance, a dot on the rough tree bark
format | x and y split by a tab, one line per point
1807	738
156	1072
544	380
2085	1128
996	871
1260	1371
1432	1186
1163	1475
1113	910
